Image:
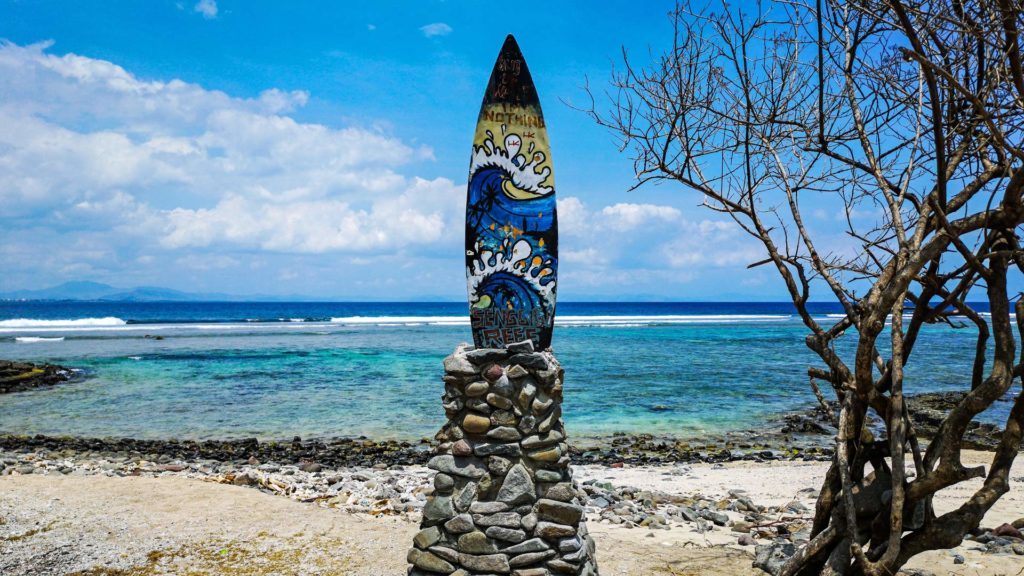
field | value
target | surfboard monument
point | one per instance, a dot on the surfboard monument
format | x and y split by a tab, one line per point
511	220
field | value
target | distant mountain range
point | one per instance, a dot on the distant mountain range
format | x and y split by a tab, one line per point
104	292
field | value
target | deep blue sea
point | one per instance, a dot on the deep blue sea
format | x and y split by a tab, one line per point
277	370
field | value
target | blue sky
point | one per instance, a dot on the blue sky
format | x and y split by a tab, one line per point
322	149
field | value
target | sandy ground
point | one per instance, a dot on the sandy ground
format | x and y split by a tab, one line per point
118	526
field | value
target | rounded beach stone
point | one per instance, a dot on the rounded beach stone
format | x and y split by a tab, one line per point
429	562
462	448
494	372
505	434
438	509
475	423
548	476
552	531
547	455
559	512
427	537
498	401
476	542
507	534
460	524
443	482
477	389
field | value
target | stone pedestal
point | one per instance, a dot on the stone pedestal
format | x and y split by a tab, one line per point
504	501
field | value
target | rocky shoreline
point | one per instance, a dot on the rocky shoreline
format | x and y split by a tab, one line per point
770	531
22	376
801	436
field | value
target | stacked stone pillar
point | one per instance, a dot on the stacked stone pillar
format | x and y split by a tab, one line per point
504	501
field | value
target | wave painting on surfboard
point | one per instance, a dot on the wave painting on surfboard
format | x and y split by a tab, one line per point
511	224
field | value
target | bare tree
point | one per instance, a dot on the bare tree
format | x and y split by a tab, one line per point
909	111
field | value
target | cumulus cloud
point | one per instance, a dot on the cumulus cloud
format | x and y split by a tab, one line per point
436	29
208	8
112	170
630	216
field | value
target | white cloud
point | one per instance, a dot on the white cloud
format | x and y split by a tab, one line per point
436	29
208	8
89	145
630	216
322	225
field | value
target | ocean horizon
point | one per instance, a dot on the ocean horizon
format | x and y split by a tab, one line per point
223	370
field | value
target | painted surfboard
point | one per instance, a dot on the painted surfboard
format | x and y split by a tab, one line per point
511	224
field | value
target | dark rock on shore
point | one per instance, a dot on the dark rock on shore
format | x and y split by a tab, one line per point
642	449
926	411
21	376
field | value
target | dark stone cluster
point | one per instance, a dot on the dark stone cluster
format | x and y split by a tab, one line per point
21	376
504	500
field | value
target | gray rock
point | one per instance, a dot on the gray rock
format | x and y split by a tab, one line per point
496	563
524	347
429	562
688	513
504	433
445	552
548	476
500	402
518	487
438	509
560	512
503	418
563	492
506	534
498	466
504	519
529	522
503	386
527	423
443	482
745	540
719	518
796	507
427	537
530	558
466	467
476	543
531	545
497	449
489	507
533	360
465	497
562	567
571	544
516	371
478	388
542	440
459	365
771	557
460	524
551	531
486	355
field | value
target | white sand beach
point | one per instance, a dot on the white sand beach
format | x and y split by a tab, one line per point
171	523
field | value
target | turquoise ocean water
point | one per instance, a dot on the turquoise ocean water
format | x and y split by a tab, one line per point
276	370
